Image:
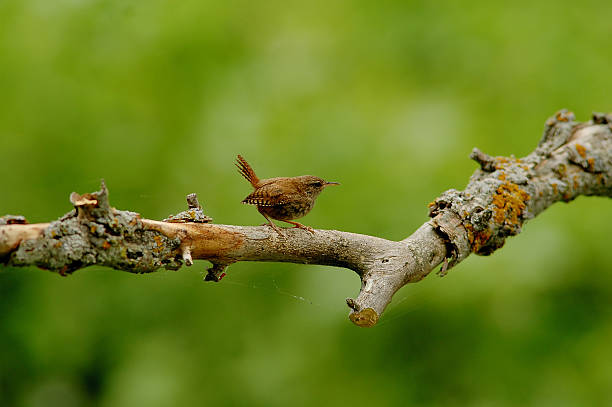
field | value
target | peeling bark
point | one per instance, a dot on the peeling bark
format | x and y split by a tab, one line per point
571	159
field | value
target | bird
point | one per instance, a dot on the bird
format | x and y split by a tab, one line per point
282	198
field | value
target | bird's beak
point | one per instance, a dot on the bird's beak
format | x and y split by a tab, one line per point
331	183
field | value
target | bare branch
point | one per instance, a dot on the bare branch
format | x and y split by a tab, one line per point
571	159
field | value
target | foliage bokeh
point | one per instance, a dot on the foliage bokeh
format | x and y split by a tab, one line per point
387	98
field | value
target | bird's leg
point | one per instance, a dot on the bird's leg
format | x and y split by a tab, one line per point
300	226
271	224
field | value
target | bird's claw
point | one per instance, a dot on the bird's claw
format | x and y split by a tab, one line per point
307	228
276	228
296	226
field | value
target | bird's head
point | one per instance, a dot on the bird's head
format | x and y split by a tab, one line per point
314	185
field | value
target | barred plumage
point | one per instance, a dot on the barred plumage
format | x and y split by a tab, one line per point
247	172
284	198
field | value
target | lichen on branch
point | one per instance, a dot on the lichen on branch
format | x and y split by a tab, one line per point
94	233
571	159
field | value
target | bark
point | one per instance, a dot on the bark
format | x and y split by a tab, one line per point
571	159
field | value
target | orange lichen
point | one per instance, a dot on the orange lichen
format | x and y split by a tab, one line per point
470	231
581	150
502	176
106	245
554	187
477	239
509	204
591	162
159	242
563	116
502	162
576	182
505	162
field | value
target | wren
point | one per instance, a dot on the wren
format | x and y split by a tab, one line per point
283	198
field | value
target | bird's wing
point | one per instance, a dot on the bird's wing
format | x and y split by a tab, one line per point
266	195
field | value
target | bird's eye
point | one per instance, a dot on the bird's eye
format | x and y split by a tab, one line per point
316	184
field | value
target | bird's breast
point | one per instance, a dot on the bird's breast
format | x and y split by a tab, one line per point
288	211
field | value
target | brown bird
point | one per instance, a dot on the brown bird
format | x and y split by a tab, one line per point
284	198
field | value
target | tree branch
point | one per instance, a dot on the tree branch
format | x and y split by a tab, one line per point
571	159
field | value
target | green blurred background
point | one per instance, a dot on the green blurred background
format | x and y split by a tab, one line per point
387	98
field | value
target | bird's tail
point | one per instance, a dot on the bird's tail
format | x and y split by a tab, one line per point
246	171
